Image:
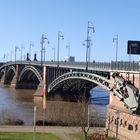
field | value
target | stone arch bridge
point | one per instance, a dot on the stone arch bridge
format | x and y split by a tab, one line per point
70	79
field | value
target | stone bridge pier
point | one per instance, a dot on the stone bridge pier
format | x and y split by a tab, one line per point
123	120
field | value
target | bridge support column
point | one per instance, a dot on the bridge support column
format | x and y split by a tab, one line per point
39	91
3	77
120	119
15	78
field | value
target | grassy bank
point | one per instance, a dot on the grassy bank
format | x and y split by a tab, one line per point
27	136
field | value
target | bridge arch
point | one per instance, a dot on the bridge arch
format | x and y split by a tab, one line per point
11	68
37	72
2	72
11	71
94	78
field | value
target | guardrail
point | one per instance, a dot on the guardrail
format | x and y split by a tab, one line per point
120	65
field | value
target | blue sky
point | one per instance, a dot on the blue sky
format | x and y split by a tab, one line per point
22	21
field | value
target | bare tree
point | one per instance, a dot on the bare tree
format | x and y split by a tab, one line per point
83	115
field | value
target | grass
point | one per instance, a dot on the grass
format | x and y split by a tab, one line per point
27	136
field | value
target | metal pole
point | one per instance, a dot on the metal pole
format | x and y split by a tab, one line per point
115	38
88	116
116	48
53	53
60	35
22	47
15	53
88	43
34	126
11	52
68	47
117	124
87	48
41	50
31	45
44	52
42	42
58	51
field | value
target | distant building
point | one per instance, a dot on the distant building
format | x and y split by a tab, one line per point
69	59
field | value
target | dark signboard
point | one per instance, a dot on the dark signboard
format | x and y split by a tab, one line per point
133	47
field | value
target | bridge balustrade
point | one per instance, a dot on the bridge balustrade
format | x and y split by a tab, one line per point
120	65
127	66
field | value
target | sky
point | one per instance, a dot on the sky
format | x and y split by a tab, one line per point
24	21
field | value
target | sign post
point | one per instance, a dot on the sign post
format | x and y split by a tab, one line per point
44	93
34	127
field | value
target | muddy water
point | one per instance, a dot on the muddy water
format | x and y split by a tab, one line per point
19	105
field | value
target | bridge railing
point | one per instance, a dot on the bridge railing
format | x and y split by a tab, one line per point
127	66
120	65
100	65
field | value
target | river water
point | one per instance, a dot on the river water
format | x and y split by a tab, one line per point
19	104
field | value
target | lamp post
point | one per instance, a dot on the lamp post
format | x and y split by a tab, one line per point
68	47
53	53
115	39
22	47
42	48
31	45
60	35
6	57
90	27
11	53
16	48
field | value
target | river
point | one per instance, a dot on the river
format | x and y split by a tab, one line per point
18	104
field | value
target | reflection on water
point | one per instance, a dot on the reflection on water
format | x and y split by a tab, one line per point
19	104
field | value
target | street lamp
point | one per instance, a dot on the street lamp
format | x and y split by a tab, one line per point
16	48
53	53
42	48
22	47
115	39
31	45
68	47
90	27
6	57
11	53
60	35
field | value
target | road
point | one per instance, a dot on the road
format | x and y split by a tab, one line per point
62	132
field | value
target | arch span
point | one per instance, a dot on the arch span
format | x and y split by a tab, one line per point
94	78
37	72
2	72
11	71
11	68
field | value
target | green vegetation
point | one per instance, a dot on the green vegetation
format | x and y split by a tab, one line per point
27	136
